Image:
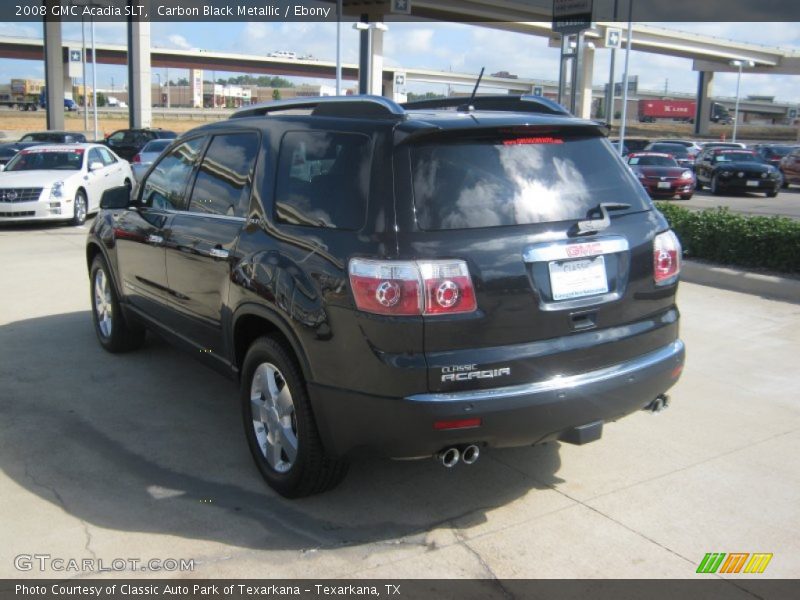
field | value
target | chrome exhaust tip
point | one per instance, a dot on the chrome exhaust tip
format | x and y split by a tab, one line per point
470	454
449	458
659	404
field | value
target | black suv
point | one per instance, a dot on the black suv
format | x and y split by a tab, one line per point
412	281
128	142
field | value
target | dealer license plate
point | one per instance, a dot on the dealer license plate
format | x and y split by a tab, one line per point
578	278
752	183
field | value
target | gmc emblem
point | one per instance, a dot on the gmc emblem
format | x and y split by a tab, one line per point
575	250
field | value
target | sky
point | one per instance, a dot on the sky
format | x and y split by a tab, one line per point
433	45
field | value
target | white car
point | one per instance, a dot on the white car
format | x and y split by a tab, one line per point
59	182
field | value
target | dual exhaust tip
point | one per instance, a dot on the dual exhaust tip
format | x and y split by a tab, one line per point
468	454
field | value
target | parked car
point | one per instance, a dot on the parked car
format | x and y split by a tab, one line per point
58	182
734	169
661	175
395	280
54	137
790	168
633	144
773	153
678	151
734	145
692	147
144	159
128	142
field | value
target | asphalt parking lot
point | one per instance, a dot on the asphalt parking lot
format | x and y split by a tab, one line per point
142	456
785	204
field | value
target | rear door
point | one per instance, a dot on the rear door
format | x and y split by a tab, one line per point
552	300
201	244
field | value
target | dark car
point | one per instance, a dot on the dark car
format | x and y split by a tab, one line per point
790	168
772	154
678	151
127	143
730	169
10	149
398	280
661	175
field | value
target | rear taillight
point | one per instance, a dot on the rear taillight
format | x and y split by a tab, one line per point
423	287
666	257
137	159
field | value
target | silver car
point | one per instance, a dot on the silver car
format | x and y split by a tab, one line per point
142	161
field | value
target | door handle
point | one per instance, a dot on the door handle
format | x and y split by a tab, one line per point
218	252
155	239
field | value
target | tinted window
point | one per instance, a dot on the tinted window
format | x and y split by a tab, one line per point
166	184
323	179
653	161
225	177
116	136
670	149
108	158
517	181
95	157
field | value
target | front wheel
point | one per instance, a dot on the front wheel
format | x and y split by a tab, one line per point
715	187
686	196
114	332
279	424
79	208
772	193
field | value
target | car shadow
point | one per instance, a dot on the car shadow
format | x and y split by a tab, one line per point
152	441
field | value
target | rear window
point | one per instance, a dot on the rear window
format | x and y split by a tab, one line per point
519	181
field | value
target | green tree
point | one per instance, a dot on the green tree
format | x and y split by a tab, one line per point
101	100
276	94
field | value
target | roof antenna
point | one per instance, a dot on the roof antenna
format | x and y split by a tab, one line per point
468	107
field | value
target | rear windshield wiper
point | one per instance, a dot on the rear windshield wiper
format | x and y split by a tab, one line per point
590	226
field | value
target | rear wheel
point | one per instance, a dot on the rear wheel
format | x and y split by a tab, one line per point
114	332
279	424
79	208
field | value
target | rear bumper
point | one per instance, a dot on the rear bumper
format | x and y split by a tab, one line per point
519	415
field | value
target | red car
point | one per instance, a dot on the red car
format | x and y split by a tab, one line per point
790	168
661	175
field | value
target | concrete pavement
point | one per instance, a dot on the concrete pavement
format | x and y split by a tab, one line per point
785	204
142	456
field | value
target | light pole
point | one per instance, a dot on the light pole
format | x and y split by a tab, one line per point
160	95
339	47
740	64
83	65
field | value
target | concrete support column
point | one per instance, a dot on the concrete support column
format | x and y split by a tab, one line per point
370	57
54	73
702	120
140	101
67	83
583	87
376	70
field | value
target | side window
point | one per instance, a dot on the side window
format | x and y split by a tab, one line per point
225	177
116	137
165	186
323	179
108	158
95	157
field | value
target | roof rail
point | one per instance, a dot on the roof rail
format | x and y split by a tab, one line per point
504	103
339	106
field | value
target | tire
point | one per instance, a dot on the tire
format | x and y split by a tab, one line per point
273	395
686	196
715	188
114	332
772	194
79	208
698	185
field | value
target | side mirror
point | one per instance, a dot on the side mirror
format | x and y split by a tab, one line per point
116	197
95	166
